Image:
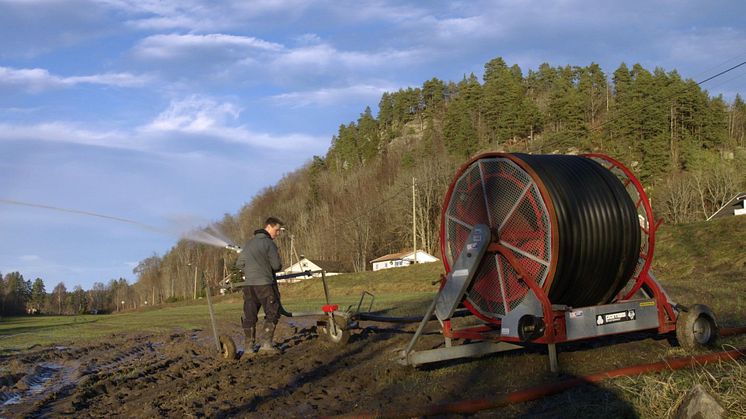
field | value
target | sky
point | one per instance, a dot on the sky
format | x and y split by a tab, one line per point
172	113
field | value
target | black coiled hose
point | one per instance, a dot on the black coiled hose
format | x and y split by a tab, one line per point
597	229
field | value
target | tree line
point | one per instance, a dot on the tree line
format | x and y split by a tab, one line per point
355	203
20	296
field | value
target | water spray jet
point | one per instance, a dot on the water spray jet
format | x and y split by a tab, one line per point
211	235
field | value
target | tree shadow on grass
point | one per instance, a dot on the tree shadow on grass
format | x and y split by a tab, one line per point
491	385
456	388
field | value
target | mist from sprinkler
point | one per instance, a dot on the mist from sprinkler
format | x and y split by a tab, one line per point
210	235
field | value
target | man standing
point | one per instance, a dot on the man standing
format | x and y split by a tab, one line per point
259	260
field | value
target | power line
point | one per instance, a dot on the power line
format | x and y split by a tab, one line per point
722	72
720	65
74	211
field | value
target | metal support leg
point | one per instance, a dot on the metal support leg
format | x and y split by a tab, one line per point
332	323
421	327
212	319
553	363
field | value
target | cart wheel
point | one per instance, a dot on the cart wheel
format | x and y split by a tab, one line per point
342	335
696	328
227	347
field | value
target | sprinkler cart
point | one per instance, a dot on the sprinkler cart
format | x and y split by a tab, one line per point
547	250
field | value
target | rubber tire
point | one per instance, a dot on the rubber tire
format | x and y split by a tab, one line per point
343	334
227	347
696	328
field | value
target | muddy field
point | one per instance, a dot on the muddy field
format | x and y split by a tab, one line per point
179	374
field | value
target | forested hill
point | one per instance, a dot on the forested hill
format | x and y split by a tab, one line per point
355	203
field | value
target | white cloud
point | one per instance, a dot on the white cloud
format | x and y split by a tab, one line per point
38	79
462	28
206	121
66	132
308	39
245	59
176	45
375	11
35	79
210	119
324	56
29	258
203	16
323	65
110	79
194	114
333	95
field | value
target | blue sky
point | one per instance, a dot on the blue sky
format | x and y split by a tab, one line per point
172	113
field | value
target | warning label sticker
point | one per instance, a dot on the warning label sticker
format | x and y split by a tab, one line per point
616	317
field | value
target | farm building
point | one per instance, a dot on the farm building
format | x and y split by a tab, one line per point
305	264
406	258
736	206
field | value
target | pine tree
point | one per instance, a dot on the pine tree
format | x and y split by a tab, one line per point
460	135
433	97
566	111
38	295
367	139
503	107
737	122
539	85
620	126
17	293
593	92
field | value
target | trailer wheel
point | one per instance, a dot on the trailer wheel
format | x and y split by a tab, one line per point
696	328
343	334
227	347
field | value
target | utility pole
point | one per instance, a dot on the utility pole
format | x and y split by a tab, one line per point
293	252
195	281
414	222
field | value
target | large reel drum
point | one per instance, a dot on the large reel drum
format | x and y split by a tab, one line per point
568	221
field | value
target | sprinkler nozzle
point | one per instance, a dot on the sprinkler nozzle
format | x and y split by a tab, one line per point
233	247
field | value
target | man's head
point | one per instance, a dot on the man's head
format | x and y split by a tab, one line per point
273	226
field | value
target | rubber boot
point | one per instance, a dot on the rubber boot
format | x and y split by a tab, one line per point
267	345
249	339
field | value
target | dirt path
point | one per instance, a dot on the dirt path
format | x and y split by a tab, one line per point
179	375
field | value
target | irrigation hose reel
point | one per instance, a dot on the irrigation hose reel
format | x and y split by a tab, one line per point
550	249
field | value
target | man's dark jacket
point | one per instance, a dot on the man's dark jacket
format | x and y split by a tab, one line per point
259	259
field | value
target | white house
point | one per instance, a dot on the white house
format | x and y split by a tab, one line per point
305	264
406	258
736	206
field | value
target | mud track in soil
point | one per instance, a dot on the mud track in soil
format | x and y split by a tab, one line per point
179	374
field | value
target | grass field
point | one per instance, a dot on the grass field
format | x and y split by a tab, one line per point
19	333
696	263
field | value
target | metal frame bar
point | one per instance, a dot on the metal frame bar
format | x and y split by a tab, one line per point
416	358
212	318
360	303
